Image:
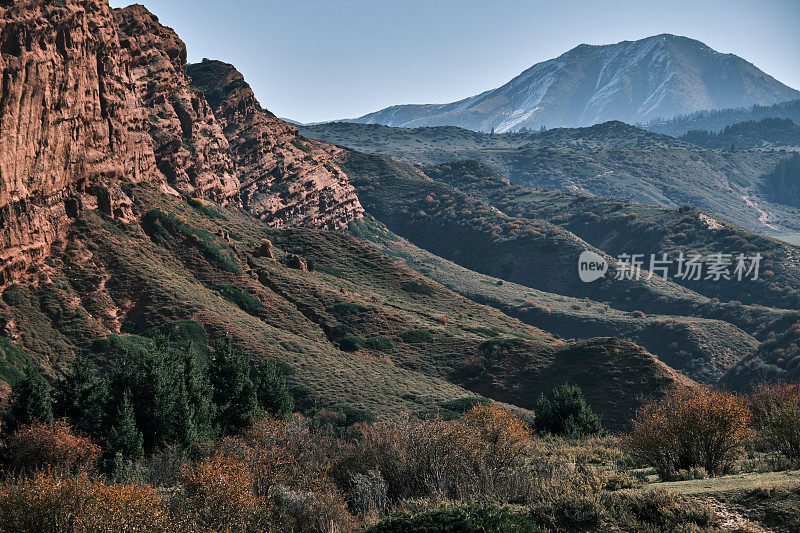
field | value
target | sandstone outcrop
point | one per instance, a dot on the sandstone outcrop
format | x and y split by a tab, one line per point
286	180
92	98
70	124
191	149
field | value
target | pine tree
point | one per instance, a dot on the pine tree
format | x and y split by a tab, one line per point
82	397
273	394
565	412
199	395
31	399
125	437
234	394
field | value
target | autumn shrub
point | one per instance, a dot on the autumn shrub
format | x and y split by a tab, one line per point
417	458
50	502
776	418
507	435
700	427
220	492
55	446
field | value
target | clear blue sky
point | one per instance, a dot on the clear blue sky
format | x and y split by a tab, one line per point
314	60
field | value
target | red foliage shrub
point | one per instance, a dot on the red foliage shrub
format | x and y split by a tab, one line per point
49	502
690	428
53	446
776	418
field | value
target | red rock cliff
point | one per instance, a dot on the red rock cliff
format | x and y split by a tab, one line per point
286	180
191	149
69	124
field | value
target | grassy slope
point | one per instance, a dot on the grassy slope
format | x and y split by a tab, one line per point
623	227
703	349
112	277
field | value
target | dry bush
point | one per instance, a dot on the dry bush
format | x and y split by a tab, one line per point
49	502
435	458
776	418
300	511
507	435
699	427
280	471
53	446
416	457
220	492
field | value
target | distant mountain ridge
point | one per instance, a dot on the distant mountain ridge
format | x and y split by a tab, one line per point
632	81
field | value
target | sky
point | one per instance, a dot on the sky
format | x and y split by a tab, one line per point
317	60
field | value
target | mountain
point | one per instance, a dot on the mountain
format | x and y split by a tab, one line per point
717	120
632	81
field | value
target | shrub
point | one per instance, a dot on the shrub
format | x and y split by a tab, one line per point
48	502
414	336
244	300
219	489
13	295
506	434
776	417
690	428
473	519
54	446
352	343
379	343
564	412
417	288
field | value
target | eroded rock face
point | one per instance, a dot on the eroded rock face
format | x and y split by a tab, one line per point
92	98
191	149
286	180
70	125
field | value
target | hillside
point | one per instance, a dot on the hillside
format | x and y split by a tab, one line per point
717	120
611	160
767	134
354	328
632	81
619	227
701	348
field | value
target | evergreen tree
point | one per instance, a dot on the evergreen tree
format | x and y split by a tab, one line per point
125	437
199	395
565	412
233	391
82	397
30	400
273	394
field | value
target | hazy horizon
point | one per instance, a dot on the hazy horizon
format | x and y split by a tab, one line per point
317	61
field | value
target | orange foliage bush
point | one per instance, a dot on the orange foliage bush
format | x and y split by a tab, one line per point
49	502
776	418
690	428
507	435
220	491
51	446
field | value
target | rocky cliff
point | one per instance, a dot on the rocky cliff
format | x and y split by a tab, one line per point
285	178
70	124
191	149
92	97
